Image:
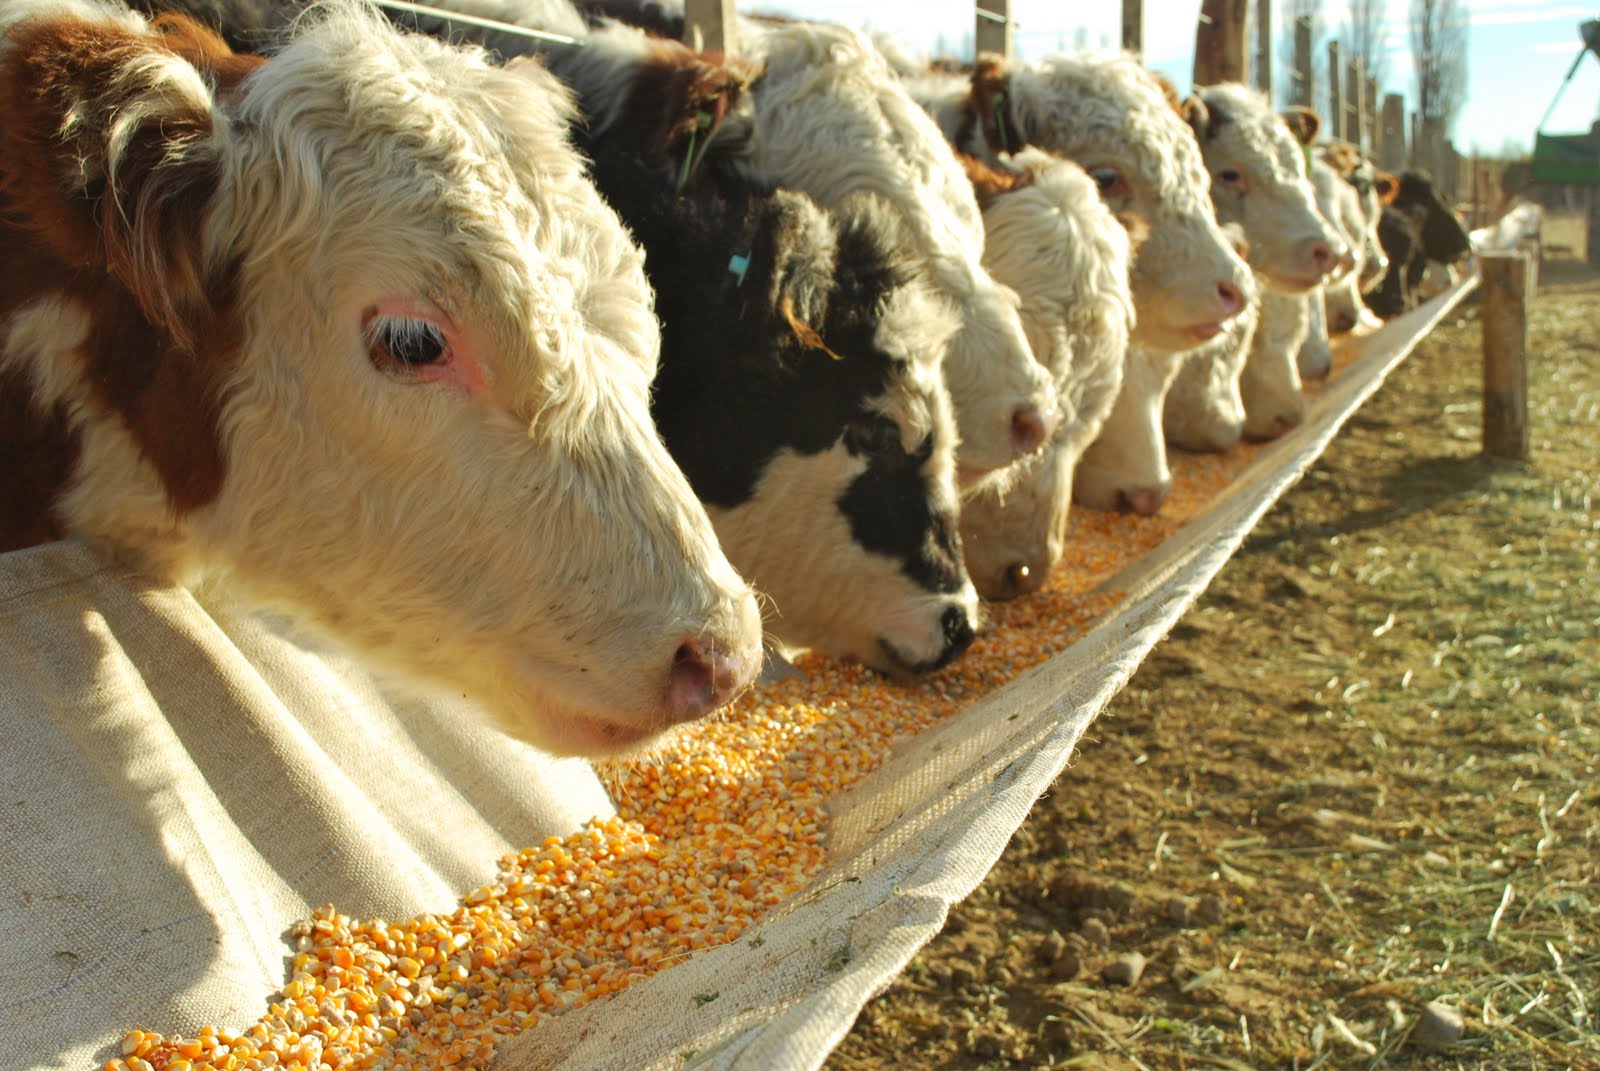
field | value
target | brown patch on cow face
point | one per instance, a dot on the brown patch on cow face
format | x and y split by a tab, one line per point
989	182
990	104
1342	157
679	99
1138	229
120	232
1303	123
41	452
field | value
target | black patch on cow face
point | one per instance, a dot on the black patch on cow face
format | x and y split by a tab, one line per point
738	384
888	514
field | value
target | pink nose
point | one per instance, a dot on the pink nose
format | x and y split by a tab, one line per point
1144	501
704	677
1229	300
1281	427
1324	258
1031	429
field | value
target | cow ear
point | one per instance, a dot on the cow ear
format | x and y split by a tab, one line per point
108	158
1303	123
1388	187
687	97
992	104
802	258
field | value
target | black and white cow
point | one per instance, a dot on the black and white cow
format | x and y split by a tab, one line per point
1417	227
800	391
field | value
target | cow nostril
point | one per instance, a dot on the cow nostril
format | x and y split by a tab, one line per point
1229	298
1323	257
958	632
702	679
1029	430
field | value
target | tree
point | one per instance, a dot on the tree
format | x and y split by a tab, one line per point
1439	52
1365	39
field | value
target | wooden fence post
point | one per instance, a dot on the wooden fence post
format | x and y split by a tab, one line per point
708	26
1219	43
1301	92
1393	149
1335	114
1133	26
1263	58
1372	125
1355	104
1505	355
993	31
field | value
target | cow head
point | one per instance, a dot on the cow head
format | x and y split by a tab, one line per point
1444	236
1258	180
800	391
1051	238
350	327
1115	118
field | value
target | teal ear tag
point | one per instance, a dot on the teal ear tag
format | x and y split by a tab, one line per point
738	264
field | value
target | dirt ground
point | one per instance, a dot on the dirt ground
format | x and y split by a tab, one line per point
1347	814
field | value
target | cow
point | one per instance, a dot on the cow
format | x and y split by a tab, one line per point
1257	160
1417	228
1116	120
1050	237
826	117
1355	202
800	390
350	329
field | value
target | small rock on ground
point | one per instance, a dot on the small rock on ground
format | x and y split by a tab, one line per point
1124	970
1438	1026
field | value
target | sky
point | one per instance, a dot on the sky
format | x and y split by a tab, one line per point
1519	51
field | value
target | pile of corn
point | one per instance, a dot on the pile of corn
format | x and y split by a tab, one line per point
722	823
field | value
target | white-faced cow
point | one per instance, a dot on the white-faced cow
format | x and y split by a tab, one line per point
1115	119
1050	237
351	327
1257	160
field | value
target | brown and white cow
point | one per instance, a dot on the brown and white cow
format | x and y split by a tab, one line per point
350	328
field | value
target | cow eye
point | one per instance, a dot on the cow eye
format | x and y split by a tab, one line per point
1230	176
871	435
404	342
1109	180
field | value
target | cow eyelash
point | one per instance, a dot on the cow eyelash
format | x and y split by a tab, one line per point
1109	180
404	343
